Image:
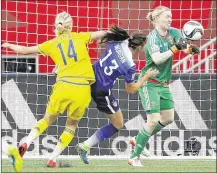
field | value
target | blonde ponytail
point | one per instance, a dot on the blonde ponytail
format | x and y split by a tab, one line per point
63	23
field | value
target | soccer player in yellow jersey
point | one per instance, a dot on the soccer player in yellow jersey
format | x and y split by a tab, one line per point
71	92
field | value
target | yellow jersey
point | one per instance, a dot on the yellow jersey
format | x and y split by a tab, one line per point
70	54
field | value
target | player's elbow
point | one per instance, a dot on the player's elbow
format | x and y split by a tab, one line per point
130	90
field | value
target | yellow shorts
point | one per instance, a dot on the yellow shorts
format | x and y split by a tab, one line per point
71	97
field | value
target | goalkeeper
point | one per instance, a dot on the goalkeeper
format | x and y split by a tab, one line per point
163	42
72	91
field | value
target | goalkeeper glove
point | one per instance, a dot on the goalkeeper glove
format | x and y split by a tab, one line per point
193	49
179	45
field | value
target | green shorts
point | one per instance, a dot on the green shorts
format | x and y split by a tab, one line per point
156	97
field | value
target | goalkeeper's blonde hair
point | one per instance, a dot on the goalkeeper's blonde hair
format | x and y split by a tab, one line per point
63	23
156	12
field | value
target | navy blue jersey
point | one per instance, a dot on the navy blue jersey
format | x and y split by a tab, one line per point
116	61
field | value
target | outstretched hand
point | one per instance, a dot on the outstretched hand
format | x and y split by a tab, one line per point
5	45
151	73
193	49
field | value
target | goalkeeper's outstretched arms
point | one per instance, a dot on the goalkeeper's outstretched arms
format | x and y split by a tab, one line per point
133	87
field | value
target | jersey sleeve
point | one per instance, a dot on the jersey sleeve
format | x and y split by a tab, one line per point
153	44
87	37
177	34
130	75
45	48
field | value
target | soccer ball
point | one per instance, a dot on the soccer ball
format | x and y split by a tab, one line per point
192	30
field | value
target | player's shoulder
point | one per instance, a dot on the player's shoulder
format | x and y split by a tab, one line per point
153	32
49	42
152	36
80	34
132	69
75	34
53	40
124	51
174	30
175	33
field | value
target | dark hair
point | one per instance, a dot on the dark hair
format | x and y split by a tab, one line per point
119	34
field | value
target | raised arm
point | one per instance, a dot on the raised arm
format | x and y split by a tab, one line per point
133	87
160	58
21	49
181	44
98	35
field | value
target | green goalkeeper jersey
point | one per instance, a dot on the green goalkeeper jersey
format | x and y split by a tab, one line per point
157	43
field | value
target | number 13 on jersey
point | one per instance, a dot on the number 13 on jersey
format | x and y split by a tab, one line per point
109	70
71	52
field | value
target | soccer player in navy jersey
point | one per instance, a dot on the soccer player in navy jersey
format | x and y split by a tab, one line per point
116	61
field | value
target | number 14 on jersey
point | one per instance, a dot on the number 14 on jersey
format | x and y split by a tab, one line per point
71	52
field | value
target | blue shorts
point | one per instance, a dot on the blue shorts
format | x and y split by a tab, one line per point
104	99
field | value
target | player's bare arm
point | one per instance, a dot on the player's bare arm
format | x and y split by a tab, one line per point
133	87
21	49
160	58
98	35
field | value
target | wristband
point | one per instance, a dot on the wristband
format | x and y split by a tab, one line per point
174	49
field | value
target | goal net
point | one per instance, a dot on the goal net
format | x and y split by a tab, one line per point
27	81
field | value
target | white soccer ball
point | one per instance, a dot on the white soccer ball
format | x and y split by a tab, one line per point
193	30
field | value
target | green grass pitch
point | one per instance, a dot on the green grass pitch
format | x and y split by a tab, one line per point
117	166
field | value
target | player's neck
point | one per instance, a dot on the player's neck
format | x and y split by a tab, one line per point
132	50
162	32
